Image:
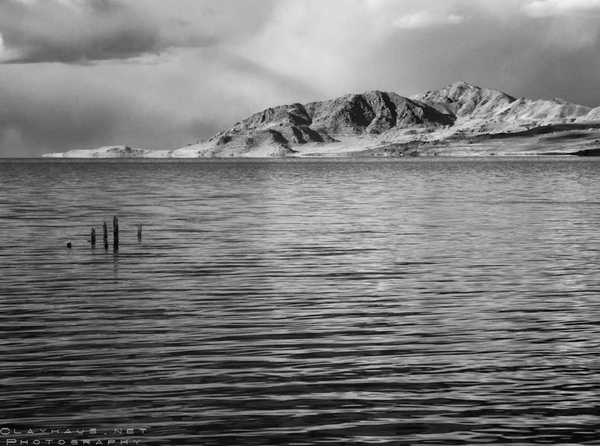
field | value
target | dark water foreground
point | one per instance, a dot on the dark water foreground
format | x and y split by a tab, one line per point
298	303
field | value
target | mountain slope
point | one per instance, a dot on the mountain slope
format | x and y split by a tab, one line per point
284	127
450	120
463	100
482	109
593	115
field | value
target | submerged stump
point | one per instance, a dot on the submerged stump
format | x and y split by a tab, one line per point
115	233
105	235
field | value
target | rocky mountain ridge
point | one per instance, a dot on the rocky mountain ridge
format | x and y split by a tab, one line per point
378	122
353	115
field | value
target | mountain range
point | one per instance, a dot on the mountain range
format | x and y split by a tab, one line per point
460	119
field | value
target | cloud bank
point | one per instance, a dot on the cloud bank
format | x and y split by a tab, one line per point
559	8
78	74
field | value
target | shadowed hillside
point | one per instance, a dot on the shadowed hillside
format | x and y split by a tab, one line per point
460	119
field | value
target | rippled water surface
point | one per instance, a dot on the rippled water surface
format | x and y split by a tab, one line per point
301	302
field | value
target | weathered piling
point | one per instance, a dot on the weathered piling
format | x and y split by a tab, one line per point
139	233
93	237
105	230
115	233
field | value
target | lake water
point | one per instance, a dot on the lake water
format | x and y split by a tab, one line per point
301	302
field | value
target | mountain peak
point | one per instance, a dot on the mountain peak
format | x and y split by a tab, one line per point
463	99
462	86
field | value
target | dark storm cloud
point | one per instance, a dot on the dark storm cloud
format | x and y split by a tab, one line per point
79	31
49	31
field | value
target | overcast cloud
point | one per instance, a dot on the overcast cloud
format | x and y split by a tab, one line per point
160	74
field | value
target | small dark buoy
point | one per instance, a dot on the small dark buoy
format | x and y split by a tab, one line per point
93	237
69	245
139	233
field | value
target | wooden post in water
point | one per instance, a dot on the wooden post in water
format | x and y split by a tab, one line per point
93	237
105	230
139	233
115	233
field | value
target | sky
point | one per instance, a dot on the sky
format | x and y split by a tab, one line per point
158	74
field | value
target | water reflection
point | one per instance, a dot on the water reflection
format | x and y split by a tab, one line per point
302	302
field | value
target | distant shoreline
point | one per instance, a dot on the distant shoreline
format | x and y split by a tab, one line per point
508	147
458	120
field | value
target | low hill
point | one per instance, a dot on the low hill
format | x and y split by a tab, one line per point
103	152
